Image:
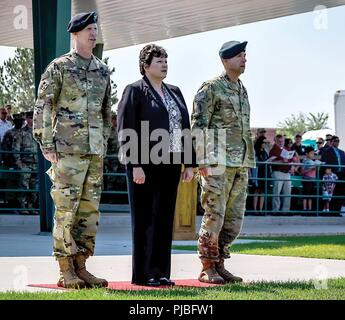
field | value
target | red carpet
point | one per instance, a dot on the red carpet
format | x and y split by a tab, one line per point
126	285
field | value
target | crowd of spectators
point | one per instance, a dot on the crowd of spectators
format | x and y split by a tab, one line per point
321	172
19	163
18	152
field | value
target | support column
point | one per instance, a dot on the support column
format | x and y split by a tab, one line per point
51	39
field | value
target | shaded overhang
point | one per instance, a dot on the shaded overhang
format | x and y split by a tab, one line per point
130	22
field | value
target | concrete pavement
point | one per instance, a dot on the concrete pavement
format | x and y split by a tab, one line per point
17	272
20	235
25	253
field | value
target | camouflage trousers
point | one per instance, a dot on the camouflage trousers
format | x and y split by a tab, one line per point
28	181
223	197
12	180
76	191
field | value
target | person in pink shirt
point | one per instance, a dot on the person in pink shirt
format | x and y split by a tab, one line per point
309	174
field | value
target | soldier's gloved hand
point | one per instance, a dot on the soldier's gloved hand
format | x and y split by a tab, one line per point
50	156
138	175
205	172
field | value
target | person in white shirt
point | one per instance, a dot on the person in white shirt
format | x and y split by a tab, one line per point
9	116
5	125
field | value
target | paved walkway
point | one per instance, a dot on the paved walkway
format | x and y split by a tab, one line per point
17	272
25	254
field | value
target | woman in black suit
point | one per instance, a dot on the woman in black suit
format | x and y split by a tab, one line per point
147	105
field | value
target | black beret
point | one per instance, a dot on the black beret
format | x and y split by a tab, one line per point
18	116
29	114
232	48
81	20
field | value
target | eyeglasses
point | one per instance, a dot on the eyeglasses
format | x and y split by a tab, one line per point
3	112
319	142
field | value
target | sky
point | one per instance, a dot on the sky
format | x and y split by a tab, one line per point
294	64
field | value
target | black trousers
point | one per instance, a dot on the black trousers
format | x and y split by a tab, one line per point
339	190
152	211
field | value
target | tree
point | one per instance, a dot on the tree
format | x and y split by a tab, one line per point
318	121
17	85
302	123
17	81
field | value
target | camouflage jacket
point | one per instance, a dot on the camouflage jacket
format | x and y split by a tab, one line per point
7	145
221	111
24	142
72	111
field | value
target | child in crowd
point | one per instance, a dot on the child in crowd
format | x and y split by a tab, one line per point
328	184
309	174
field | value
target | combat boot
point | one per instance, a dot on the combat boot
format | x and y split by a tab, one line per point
225	274
68	277
80	269
209	274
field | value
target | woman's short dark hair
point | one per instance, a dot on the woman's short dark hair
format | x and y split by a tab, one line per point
147	53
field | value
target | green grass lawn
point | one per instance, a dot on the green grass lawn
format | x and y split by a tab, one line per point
334	290
323	247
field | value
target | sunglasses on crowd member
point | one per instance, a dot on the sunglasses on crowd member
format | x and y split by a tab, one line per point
319	142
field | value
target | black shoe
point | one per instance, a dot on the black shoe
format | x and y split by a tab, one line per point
166	282
153	283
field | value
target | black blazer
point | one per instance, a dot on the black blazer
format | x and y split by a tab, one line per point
140	102
329	157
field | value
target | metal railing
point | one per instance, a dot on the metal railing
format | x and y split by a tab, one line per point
115	188
296	191
10	173
114	191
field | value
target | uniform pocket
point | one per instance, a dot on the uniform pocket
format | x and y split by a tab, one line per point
214	184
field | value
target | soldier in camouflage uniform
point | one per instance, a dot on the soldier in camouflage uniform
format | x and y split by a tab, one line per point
72	121
11	180
221	105
24	142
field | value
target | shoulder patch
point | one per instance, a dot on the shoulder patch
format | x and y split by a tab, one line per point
201	95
